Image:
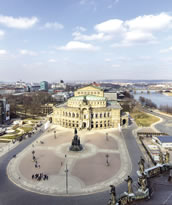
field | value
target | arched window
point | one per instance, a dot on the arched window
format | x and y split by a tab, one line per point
104	114
100	115
92	124
69	114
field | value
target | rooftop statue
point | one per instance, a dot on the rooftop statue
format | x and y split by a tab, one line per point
129	183
161	160
141	165
167	157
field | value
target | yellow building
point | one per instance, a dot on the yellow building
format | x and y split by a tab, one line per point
89	109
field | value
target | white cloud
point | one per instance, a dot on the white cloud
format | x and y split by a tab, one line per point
138	36
82	2
2	33
150	22
112	4
107	60
110	26
99	36
123	58
137	31
115	65
77	45
52	60
80	28
27	52
166	50
20	22
145	58
3	52
54	25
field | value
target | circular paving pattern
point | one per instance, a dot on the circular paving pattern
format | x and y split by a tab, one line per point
103	161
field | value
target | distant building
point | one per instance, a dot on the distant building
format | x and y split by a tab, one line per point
7	91
112	96
163	141
61	96
4	111
47	109
44	86
59	86
34	87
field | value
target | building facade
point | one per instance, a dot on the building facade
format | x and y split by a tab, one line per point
44	86
4	111
88	109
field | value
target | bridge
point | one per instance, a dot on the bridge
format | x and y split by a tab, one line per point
150	134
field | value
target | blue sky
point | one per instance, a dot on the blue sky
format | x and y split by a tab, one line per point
85	40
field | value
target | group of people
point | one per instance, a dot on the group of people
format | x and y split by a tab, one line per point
36	162
40	176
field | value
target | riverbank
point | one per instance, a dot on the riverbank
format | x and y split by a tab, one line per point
168	94
143	119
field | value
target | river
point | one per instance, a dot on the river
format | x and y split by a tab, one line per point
155	97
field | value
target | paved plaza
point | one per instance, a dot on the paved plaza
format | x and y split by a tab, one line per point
88	170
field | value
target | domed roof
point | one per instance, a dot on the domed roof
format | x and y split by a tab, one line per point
88	97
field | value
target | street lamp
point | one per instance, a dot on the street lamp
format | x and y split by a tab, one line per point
66	171
107	139
54	134
107	161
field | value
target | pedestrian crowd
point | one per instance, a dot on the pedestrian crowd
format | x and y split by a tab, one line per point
40	176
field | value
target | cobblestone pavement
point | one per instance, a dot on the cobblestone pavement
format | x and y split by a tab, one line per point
88	172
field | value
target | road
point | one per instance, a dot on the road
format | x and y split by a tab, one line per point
164	126
11	194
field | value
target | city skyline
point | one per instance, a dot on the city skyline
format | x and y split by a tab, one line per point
85	40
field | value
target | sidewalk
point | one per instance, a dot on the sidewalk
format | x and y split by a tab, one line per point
7	147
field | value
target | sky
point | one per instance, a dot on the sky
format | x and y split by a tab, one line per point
85	40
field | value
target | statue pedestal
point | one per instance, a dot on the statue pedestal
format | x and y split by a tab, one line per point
140	194
76	145
139	174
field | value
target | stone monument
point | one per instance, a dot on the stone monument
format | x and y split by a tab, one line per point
141	165
112	201
76	145
161	158
129	183
167	157
142	181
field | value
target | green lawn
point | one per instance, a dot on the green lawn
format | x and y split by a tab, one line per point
10	137
4	141
143	119
27	129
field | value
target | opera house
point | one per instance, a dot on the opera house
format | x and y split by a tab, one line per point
89	109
